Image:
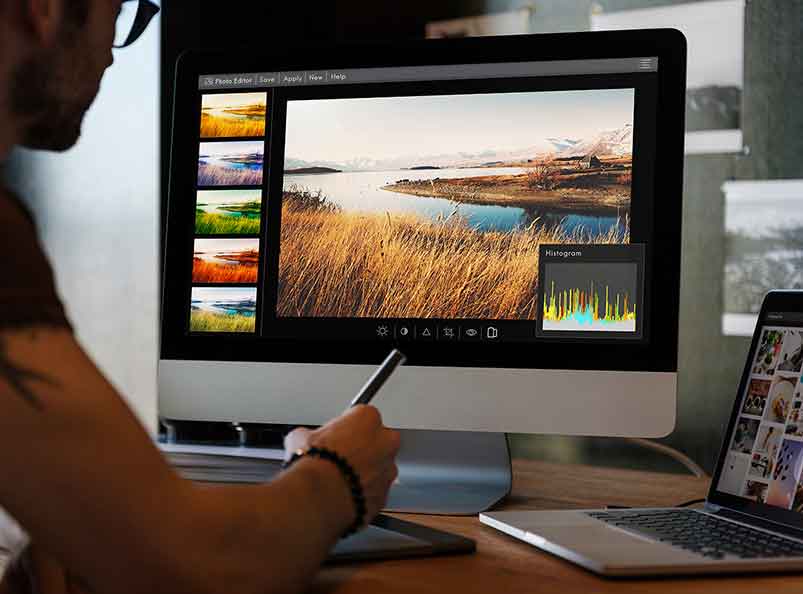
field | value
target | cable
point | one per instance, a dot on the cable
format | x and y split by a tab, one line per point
691	502
676	455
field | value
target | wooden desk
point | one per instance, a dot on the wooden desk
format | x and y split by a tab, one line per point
505	565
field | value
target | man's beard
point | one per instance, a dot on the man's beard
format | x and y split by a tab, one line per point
39	98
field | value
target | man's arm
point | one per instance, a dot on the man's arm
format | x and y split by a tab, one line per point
83	477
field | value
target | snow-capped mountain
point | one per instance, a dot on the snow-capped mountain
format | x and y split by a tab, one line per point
462	159
609	142
563	144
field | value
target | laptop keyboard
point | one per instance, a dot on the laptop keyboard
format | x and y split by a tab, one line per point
702	533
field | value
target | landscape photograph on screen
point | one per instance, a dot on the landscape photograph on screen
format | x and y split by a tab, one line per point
223	309
435	206
233	114
237	163
228	212
225	261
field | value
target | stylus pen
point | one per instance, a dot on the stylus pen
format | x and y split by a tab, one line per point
378	379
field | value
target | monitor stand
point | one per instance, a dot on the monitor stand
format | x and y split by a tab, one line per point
450	472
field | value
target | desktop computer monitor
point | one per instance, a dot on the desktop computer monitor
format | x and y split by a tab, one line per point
506	211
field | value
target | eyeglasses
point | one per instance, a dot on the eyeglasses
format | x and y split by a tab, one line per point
134	18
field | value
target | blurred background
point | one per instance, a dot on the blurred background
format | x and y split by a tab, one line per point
99	206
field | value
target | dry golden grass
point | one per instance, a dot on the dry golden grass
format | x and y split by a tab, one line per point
336	264
220	127
211	272
218	175
207	321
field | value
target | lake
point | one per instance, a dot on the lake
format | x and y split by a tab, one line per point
222	259
220	112
362	191
246	308
228	164
220	209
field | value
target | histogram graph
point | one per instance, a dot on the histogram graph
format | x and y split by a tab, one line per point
582	297
594	308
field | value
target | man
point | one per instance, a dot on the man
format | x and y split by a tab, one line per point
103	510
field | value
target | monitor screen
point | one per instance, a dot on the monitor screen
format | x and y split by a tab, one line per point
765	448
451	207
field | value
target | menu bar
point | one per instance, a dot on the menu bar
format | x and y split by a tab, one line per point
791	317
208	82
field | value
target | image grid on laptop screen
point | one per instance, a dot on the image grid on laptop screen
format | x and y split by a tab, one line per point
764	461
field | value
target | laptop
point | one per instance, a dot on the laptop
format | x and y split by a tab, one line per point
752	520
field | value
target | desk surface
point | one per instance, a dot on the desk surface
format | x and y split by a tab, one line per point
503	564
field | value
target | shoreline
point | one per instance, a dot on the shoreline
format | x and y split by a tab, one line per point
512	191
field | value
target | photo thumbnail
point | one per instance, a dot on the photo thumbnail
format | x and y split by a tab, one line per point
786	475
767	443
755	490
756	398
794	424
791	357
233	114
236	163
223	309
769	349
779	400
225	261
393	205
731	479
228	212
745	435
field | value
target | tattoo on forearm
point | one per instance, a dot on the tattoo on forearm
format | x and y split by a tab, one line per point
19	378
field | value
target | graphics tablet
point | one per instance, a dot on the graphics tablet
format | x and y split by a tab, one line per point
391	538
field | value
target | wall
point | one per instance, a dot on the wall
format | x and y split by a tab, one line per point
97	211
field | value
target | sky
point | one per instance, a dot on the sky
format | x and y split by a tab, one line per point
223	293
222	149
216	246
233	100
390	127
229	196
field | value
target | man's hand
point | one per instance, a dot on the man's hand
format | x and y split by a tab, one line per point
106	527
360	437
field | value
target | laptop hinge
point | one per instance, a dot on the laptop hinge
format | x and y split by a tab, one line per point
755	521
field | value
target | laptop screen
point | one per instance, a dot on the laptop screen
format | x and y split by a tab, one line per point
764	462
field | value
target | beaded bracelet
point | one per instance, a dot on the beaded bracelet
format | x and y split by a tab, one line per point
348	472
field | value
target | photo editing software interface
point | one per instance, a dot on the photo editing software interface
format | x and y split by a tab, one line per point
471	202
765	451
